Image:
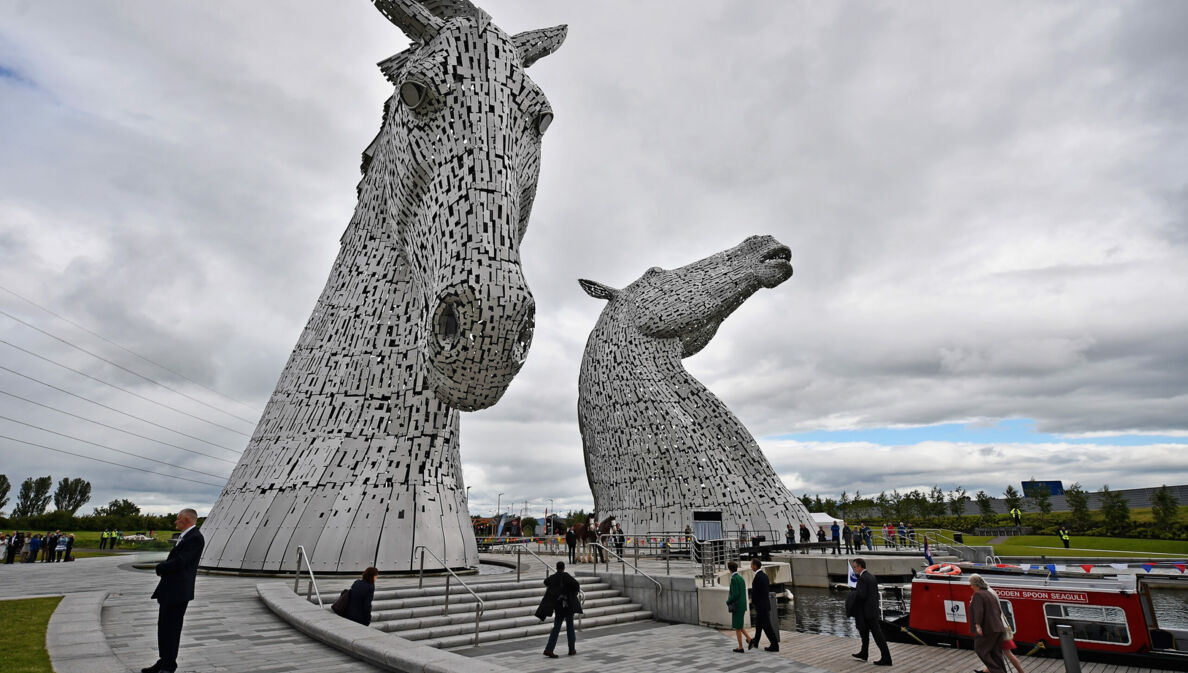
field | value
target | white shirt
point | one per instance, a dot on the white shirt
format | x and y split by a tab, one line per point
183	533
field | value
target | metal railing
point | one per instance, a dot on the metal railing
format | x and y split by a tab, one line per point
624	563
478	613
520	545
312	588
712	554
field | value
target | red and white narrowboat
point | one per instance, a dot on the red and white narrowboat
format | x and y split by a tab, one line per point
1112	618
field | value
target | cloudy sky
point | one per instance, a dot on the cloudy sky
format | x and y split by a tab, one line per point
987	205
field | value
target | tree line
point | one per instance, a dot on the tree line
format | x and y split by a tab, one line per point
30	509
1112	516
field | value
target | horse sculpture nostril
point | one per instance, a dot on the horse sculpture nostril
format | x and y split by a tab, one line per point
446	325
523	341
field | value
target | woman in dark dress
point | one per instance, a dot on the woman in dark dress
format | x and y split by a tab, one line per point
359	603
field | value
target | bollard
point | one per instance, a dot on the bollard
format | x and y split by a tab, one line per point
517	564
1068	649
774	609
445	609
421	575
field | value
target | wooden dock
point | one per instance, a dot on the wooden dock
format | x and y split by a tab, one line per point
832	653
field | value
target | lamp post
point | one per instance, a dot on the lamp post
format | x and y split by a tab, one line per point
547	518
498	505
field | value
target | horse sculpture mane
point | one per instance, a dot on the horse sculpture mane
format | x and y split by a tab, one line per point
658	444
426	312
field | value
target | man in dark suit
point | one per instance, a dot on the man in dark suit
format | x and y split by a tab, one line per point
176	589
863	605
761	600
571	543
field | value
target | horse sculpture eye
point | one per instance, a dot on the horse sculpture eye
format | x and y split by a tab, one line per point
543	121
412	93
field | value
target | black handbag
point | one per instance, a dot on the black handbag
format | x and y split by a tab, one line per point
731	604
340	606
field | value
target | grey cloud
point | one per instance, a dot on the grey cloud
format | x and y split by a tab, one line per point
985	205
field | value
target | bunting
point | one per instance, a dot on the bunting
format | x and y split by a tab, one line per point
1147	566
1087	567
1180	567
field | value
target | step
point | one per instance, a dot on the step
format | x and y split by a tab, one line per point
521	620
466	602
387	621
537	629
478	587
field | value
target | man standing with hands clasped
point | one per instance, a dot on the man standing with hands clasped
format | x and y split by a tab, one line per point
176	589
863	605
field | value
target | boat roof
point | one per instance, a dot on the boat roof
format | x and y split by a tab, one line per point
1113	584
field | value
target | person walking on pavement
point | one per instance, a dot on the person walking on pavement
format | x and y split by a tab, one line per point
571	543
863	605
736	603
985	621
761	599
175	590
561	601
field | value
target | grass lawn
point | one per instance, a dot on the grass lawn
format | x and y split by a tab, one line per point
1049	545
22	634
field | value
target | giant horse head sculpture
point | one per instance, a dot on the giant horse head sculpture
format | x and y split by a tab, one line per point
686	306
455	165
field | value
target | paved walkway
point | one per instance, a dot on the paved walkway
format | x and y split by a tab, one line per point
228	629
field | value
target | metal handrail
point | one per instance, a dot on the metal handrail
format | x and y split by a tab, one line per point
313	583
478	613
548	569
625	562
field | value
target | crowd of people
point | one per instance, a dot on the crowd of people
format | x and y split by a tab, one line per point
22	547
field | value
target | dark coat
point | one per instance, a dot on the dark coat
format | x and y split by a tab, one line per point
985	610
760	596
359	603
864	599
559	584
179	569
571	538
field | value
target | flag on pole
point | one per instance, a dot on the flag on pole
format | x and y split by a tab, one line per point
927	551
852	580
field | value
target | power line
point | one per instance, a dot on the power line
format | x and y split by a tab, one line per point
104	446
121	367
112	385
124	413
95	334
100	460
112	427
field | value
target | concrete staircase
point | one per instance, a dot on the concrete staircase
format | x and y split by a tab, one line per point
508	607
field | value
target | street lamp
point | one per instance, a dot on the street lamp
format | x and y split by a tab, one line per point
498	504
548	518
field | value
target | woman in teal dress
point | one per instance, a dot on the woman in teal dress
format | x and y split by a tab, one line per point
737	602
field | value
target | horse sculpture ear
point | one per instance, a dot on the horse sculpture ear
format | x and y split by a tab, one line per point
598	290
536	44
413	18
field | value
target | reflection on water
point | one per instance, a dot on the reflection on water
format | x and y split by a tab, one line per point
824	611
817	611
1171	607
492	569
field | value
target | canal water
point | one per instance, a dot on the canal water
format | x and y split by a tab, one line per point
824	610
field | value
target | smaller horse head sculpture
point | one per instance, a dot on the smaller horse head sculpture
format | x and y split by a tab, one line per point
453	173
689	303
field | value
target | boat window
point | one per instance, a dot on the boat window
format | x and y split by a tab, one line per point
1092	623
1009	613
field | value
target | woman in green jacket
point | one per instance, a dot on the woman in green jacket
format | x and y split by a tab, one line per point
736	601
